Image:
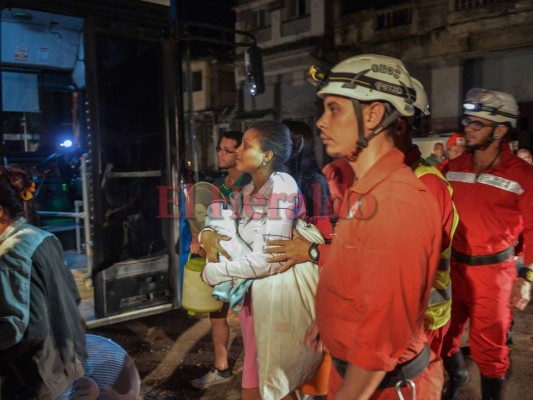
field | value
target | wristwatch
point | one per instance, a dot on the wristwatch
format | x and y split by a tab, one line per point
313	252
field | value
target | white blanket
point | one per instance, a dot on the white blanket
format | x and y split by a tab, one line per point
283	308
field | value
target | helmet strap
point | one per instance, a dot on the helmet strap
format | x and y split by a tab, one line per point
360	126
362	142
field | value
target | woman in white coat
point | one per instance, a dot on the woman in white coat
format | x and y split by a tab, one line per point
268	208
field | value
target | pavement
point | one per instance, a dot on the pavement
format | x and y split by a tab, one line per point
172	348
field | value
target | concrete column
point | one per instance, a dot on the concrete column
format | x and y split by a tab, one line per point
317	17
446	96
275	21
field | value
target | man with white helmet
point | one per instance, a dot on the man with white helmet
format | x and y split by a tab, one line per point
375	285
438	313
493	192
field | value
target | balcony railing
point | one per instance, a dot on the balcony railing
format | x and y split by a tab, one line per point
468	4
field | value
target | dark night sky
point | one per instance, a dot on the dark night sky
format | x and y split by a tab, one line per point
216	12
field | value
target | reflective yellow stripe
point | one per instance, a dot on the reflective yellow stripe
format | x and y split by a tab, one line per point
437	315
442	280
439	305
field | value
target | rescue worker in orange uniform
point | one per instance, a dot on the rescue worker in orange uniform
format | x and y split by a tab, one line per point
493	193
384	255
438	314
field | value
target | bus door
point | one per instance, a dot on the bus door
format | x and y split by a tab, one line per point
130	90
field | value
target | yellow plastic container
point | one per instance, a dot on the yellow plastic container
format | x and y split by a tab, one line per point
196	296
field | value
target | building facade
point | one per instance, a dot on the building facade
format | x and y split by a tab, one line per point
292	34
449	45
213	98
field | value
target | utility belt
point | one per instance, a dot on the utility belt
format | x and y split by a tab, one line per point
476	261
402	373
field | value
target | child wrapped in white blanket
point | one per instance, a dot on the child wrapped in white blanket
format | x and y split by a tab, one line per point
221	218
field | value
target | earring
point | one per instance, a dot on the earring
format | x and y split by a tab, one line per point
264	163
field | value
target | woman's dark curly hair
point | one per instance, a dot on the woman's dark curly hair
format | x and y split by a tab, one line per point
13	181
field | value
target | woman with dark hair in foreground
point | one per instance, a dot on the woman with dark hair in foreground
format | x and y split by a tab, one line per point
44	353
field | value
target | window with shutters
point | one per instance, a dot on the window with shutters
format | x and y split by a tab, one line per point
258	19
197	81
392	18
296	9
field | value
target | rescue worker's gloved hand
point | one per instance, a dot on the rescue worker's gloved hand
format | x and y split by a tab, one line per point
520	294
211	244
295	251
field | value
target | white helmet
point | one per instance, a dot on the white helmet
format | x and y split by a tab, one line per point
371	77
421	101
495	106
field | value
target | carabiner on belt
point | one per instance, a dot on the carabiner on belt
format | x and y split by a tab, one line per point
407	382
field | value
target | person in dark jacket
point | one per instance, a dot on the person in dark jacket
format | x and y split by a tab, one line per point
42	343
44	352
305	170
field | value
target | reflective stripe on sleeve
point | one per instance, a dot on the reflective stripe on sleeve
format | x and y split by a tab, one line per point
486	179
466	177
500	183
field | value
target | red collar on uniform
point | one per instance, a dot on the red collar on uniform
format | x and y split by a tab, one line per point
386	165
465	162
